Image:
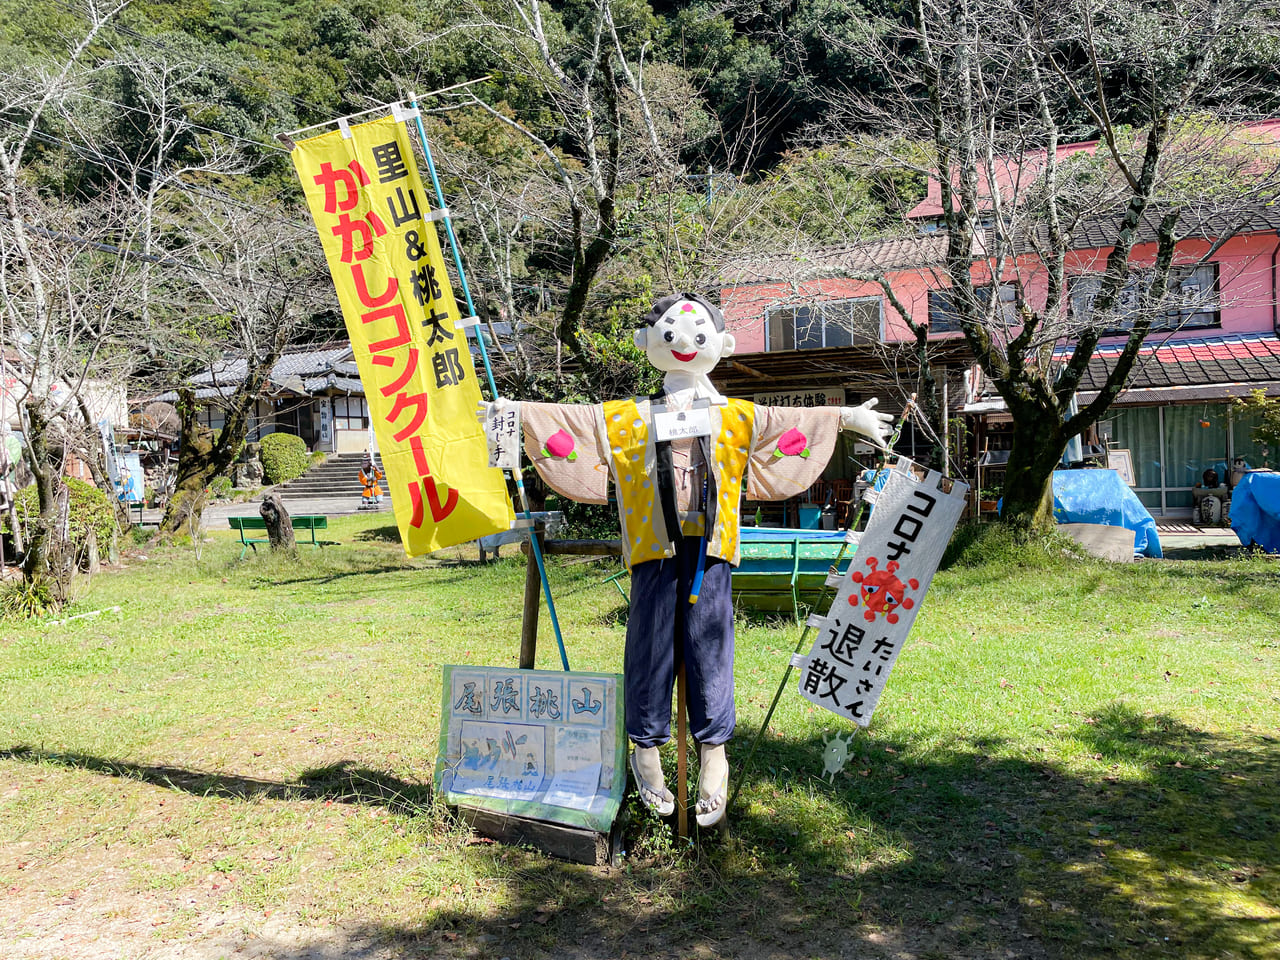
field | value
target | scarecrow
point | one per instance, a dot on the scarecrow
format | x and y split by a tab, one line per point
681	462
370	479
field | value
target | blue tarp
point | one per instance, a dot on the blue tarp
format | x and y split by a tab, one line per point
1255	510
1100	496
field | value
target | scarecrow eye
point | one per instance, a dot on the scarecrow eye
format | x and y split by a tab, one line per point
668	336
700	339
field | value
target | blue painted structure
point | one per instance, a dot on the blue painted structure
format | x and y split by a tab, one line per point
781	565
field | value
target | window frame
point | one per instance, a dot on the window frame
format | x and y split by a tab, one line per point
1176	315
343	420
790	337
947	320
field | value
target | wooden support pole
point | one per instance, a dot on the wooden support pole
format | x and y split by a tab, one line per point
533	583
682	757
532	603
581	548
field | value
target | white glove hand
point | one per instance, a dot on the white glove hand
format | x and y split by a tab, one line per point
500	420
864	420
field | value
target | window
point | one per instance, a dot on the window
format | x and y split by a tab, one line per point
1192	300
945	318
350	413
834	323
215	418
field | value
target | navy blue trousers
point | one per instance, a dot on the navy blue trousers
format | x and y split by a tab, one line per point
661	626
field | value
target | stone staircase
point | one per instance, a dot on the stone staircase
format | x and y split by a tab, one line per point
337	476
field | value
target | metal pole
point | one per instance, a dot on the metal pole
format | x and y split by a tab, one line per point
488	371
946	427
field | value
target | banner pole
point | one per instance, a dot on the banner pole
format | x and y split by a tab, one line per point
488	372
881	466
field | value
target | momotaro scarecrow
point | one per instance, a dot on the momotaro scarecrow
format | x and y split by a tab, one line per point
370	482
682	461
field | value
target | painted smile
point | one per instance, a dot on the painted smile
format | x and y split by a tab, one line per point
684	357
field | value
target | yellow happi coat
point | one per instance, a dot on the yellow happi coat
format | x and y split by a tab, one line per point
768	453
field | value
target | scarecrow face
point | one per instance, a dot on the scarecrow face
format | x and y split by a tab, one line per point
684	339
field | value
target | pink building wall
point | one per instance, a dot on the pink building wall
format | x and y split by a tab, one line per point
1246	271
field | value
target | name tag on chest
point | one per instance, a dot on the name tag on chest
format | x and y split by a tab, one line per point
682	424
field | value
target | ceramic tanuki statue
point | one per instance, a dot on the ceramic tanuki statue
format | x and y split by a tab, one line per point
681	462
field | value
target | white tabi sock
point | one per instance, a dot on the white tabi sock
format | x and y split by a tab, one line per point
650	767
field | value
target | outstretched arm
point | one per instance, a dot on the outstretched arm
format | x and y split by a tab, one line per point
867	422
559	439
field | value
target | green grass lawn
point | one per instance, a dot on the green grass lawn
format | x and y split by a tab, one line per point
1072	759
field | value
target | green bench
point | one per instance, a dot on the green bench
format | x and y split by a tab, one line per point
247	525
780	569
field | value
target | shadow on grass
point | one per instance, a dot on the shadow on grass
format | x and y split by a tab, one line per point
1164	846
323	577
341	782
387	534
1217	552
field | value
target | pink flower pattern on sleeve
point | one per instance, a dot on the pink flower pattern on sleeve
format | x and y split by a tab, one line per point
791	444
560	445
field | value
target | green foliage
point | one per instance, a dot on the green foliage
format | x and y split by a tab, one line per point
1000	546
88	509
220	488
284	456
589	521
833	194
24	599
1267	410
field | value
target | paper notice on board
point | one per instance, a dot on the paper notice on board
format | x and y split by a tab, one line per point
578	766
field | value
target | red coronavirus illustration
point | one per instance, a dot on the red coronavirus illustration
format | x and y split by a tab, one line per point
881	591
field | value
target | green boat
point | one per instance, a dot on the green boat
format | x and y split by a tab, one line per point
784	569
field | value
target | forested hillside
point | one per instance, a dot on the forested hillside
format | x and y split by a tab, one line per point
733	129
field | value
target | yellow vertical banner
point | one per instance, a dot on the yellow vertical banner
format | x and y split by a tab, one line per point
374	219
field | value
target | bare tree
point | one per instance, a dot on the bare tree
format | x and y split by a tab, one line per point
50	254
996	87
572	178
256	273
94	287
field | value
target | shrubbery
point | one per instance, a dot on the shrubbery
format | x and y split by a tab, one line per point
88	507
284	457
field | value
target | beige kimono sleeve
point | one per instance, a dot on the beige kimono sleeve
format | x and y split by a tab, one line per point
790	448
561	441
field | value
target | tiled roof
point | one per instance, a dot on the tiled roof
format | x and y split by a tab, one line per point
874	258
1208	361
1205	224
200	393
314	385
298	363
849	260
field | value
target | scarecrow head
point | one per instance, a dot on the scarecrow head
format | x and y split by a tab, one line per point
684	333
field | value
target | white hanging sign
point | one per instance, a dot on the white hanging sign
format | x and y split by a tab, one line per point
502	431
821	397
875	605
